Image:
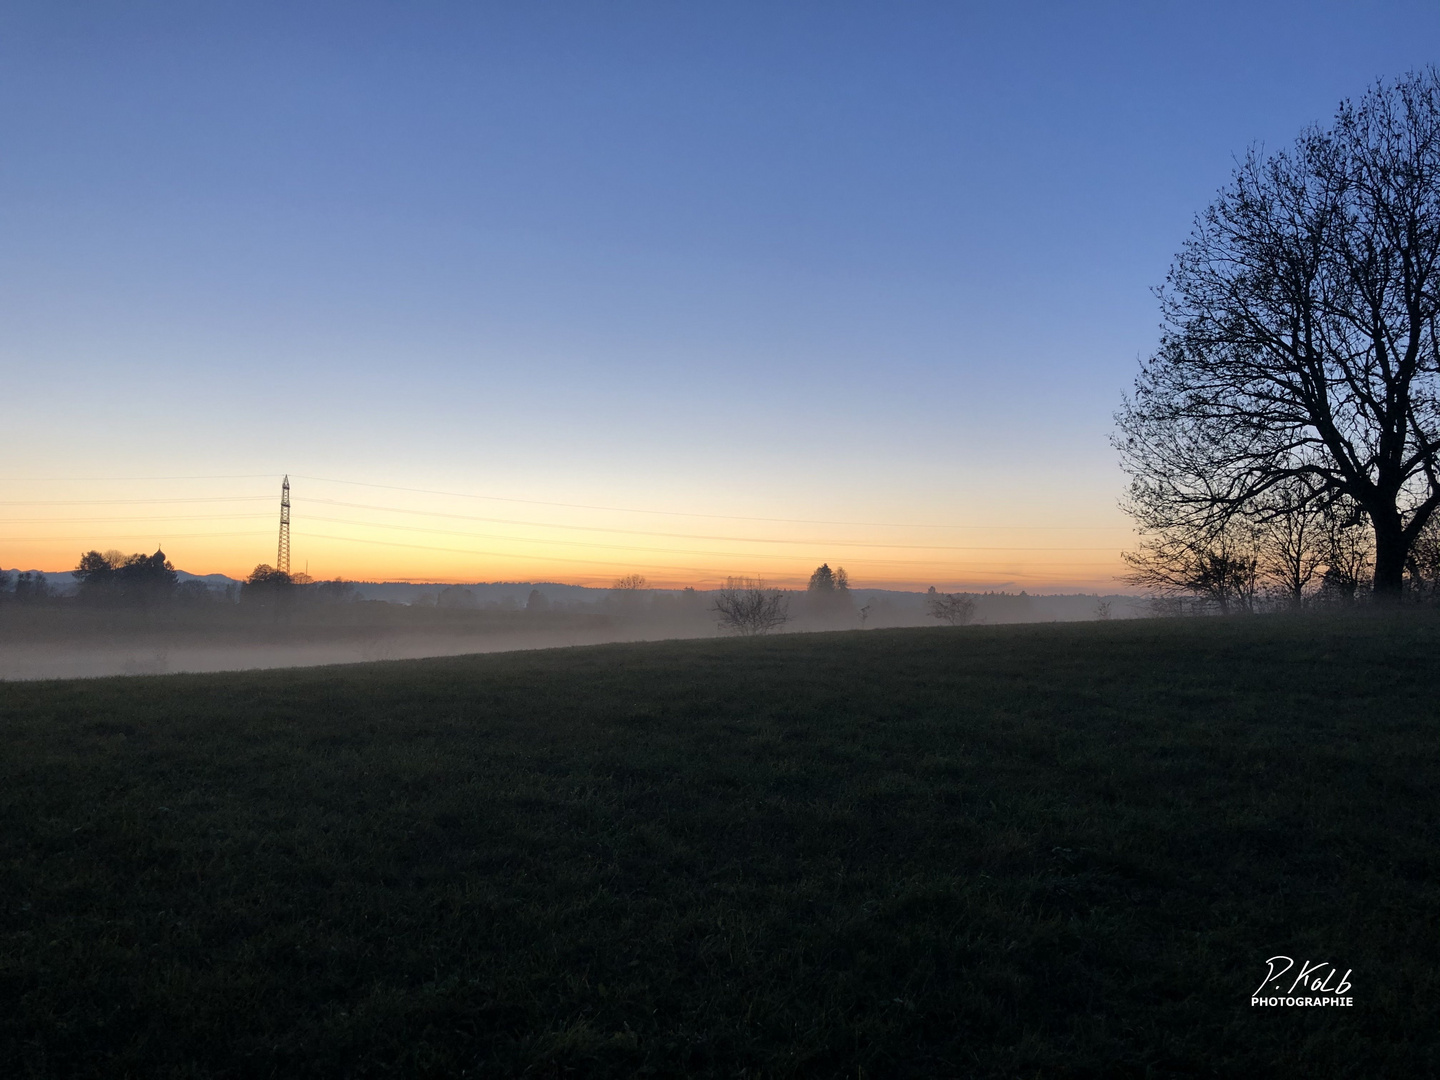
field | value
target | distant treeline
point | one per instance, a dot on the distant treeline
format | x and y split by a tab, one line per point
114	579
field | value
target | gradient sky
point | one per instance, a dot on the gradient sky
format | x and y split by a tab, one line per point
794	280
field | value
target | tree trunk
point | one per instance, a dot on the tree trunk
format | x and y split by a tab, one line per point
1389	558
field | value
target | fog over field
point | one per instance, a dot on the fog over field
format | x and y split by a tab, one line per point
212	624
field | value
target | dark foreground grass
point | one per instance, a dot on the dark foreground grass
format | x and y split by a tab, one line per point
1019	851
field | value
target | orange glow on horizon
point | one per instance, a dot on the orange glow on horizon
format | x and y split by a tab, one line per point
407	535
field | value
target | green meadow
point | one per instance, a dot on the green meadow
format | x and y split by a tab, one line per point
1019	851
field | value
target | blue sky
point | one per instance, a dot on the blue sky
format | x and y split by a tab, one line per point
836	262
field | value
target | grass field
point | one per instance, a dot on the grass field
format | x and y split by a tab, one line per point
1015	851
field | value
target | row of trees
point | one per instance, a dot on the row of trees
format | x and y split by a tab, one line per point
1287	554
1283	442
113	578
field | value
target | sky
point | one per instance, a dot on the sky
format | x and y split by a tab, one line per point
565	291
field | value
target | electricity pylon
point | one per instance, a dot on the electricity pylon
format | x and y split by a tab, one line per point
282	556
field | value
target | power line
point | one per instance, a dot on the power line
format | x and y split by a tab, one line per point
594	562
650	533
825	543
739	539
133	536
127	479
492	554
133	502
590	544
502	498
143	517
681	513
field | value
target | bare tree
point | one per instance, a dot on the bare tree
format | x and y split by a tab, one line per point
747	607
1292	534
1218	571
1284	551
953	608
1423	566
1350	557
1300	340
628	595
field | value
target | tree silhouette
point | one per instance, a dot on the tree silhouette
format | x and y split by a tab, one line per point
822	580
1300	343
267	585
748	607
1219	570
627	595
827	597
114	577
456	596
95	575
147	577
953	608
31	587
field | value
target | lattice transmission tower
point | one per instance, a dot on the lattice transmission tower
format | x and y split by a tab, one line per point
282	556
